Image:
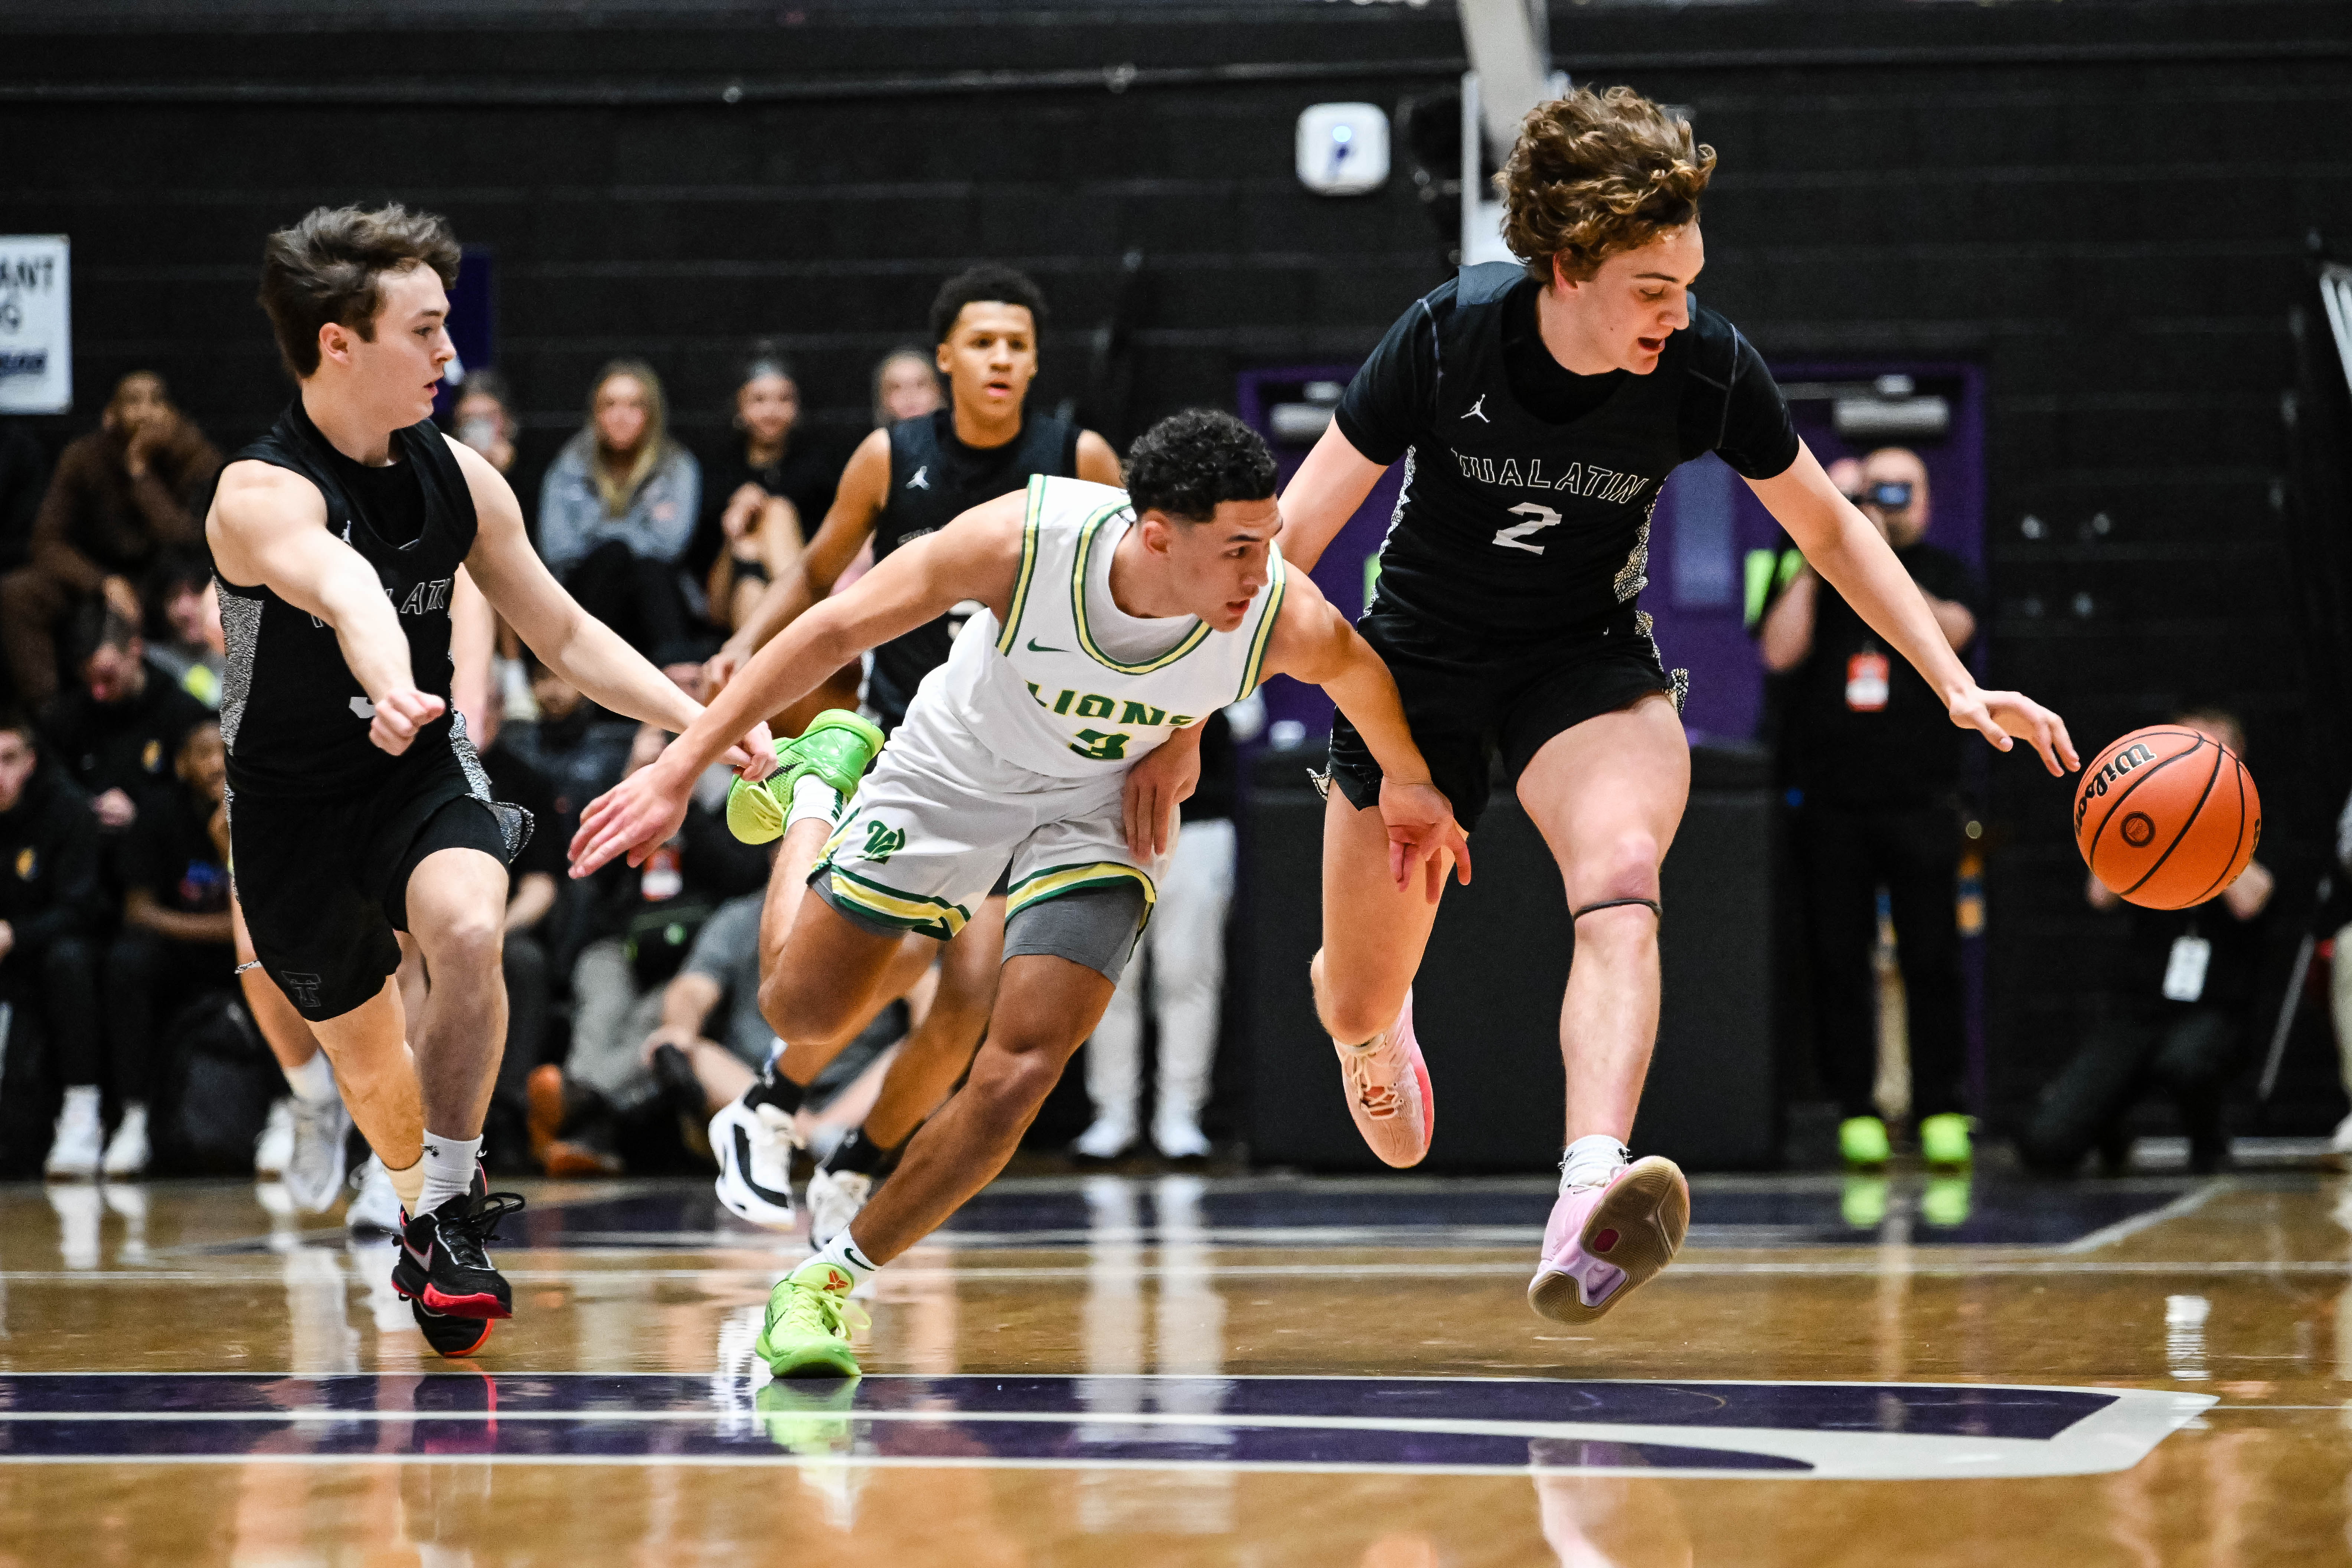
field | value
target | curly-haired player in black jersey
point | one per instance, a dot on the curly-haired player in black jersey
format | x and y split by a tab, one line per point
357	806
1539	409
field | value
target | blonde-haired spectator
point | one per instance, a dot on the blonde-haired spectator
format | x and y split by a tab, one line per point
617	510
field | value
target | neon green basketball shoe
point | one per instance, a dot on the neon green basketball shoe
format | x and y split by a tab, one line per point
810	1317
1861	1142
837	747
1944	1141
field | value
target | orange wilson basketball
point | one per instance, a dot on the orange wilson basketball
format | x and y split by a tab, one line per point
2166	818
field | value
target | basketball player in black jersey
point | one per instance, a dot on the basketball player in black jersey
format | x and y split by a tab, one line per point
358	807
903	483
1539	409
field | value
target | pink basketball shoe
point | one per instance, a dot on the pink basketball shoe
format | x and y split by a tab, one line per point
1388	1091
1604	1241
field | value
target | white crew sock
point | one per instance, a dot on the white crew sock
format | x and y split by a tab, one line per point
448	1168
1591	1160
314	1082
843	1254
812	796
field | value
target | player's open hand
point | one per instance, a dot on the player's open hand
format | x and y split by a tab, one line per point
634	817
2001	716
753	756
1422	834
400	714
1162	779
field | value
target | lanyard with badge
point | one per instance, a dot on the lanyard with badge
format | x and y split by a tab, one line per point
2184	970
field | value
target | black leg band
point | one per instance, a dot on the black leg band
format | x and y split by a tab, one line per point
1649	904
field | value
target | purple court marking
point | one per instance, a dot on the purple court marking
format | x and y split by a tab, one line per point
1923	1409
1433	1424
2001	1212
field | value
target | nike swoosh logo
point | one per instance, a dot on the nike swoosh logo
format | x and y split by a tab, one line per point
1036	647
743	1173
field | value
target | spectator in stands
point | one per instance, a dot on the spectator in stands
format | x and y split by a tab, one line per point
51	906
537	881
754	516
174	944
24	480
617	514
118	732
1877	765
184	642
1183	951
905	386
643	922
134	486
577	748
484	419
698	1067
2176	1017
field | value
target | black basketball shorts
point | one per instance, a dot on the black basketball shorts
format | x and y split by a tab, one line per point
323	882
1470	698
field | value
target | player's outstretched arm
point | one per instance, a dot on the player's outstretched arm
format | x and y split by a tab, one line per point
1314	643
848	523
268	529
977	556
1840	543
583	649
1323	495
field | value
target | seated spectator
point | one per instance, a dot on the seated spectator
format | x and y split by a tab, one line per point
174	944
24	480
753	518
2176	1017
184	639
536	882
132	488
1183	951
118	730
711	1041
905	386
484	419
643	923
617	510
578	749
51	906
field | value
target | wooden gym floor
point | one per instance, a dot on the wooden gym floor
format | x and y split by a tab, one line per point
1176	1370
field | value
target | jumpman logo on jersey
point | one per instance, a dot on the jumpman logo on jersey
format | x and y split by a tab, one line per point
1478	411
920	482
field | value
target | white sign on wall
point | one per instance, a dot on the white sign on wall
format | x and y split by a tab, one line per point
35	325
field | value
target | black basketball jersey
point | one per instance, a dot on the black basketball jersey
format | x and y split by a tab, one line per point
1508	523
935	477
293	717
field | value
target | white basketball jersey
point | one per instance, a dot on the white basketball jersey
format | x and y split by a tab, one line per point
1041	691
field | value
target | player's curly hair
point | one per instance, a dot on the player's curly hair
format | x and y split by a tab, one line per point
1187	463
329	266
988	282
1596	173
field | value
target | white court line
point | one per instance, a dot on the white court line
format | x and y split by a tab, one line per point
2187	1202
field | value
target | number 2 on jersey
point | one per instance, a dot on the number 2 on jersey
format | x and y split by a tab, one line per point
1515	537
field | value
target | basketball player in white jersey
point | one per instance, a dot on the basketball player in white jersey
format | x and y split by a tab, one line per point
1112	620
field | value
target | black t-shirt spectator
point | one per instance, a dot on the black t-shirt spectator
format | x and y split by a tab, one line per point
24	478
50	883
515	780
578	756
128	745
1867	732
169	851
807	475
2137	980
